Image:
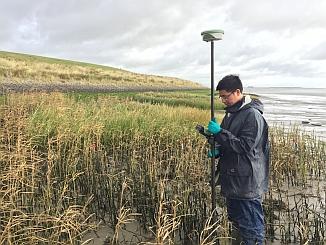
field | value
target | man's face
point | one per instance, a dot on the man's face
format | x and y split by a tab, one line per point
230	98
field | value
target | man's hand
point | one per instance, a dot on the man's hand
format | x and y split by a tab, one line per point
214	127
216	153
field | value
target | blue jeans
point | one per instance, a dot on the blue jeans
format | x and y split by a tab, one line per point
248	218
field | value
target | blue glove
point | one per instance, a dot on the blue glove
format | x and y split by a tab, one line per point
214	127
216	151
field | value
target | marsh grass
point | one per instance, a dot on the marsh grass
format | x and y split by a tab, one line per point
296	201
69	161
75	152
31	204
194	98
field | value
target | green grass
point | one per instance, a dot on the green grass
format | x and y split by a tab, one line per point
193	98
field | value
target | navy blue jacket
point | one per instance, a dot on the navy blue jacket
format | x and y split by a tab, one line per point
244	151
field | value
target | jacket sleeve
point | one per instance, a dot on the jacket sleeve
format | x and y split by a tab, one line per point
251	130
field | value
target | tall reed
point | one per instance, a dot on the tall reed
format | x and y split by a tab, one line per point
80	154
296	200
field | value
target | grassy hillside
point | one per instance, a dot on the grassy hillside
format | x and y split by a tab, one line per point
30	72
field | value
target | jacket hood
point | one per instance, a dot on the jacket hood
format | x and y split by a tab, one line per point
257	104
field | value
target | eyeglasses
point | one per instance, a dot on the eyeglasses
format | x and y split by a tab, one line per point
225	97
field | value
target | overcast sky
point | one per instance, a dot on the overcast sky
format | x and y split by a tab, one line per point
268	43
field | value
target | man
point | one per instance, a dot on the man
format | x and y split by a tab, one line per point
244	159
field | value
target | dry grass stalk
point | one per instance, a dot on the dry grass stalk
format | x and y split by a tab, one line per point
124	216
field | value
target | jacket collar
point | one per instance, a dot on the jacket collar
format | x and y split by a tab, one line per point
239	105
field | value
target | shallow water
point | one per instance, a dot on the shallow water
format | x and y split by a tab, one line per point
295	106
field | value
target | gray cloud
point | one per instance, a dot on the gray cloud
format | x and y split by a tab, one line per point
163	37
302	69
278	15
317	52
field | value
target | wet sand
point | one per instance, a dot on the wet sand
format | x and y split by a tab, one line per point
305	108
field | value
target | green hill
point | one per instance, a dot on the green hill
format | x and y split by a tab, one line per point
21	72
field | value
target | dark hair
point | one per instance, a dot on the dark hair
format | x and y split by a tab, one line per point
230	83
